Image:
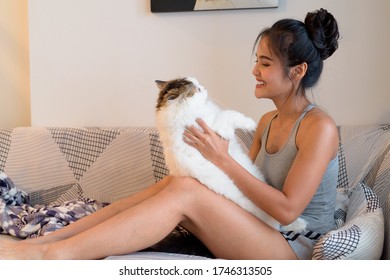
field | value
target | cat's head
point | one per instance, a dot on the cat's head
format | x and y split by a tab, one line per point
179	90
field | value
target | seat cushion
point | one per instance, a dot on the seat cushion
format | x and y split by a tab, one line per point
362	234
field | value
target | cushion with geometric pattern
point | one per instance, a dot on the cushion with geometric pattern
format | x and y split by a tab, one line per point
362	234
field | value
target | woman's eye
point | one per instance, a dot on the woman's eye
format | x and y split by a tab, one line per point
265	64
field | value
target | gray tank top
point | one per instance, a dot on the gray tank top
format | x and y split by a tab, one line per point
319	214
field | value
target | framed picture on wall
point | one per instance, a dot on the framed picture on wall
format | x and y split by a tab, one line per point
166	6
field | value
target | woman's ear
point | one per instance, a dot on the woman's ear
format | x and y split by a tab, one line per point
297	72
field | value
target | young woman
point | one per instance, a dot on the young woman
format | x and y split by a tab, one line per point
295	146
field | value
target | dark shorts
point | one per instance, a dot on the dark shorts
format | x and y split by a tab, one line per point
302	243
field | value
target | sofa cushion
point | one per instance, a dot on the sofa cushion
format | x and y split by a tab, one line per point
364	150
35	162
382	188
56	195
362	234
358	216
104	164
124	168
367	160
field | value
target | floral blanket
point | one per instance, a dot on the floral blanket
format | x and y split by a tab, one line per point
18	218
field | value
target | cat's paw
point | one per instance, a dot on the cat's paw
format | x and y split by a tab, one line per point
249	124
234	120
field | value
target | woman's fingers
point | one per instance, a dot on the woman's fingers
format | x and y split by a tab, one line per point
189	136
204	126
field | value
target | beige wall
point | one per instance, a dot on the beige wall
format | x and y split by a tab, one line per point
94	62
14	64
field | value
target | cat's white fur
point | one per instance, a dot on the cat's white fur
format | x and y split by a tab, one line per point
184	160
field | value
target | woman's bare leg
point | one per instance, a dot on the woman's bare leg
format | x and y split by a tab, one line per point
151	218
226	229
103	214
230	232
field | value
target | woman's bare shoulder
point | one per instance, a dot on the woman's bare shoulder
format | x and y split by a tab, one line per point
318	118
318	126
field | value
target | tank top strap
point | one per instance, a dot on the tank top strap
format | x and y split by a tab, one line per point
264	136
307	109
303	114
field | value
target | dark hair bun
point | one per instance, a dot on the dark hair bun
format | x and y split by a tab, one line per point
323	30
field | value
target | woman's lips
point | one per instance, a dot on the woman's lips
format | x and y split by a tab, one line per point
260	84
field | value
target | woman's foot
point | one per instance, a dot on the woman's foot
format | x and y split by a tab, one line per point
19	250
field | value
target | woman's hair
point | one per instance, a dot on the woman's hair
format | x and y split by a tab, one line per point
295	42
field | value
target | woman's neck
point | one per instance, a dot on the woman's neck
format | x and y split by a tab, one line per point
290	109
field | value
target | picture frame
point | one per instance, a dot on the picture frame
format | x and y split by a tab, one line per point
169	6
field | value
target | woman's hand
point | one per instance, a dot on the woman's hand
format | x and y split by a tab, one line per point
212	146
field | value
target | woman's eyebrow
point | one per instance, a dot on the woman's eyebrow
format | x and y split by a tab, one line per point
264	57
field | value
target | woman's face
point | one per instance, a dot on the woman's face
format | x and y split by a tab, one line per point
270	74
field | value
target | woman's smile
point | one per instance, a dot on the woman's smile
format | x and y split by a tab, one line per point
260	84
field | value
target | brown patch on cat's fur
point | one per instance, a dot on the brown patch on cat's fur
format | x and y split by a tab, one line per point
173	89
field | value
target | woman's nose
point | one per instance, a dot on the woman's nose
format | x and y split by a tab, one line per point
255	70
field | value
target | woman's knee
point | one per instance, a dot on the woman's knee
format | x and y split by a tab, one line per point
185	186
184	183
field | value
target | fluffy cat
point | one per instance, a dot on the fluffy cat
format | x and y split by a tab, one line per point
180	102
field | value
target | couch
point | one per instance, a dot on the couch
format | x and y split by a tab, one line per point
50	166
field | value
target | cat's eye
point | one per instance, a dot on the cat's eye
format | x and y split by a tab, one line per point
171	97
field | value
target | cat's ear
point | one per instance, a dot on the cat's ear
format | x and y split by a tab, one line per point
160	84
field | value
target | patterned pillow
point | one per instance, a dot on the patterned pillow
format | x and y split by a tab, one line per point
382	189
362	234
